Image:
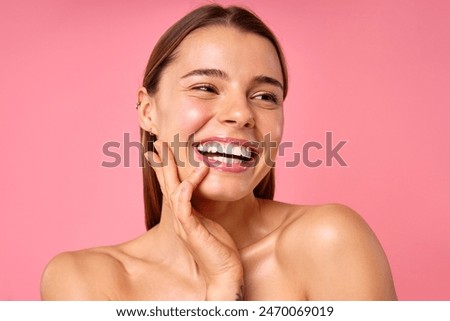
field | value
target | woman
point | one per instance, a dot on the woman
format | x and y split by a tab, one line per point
211	112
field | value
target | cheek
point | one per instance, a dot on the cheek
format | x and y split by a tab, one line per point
277	132
272	131
279	125
181	117
190	117
271	126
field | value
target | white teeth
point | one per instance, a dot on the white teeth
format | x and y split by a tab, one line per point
236	151
212	149
233	149
246	152
226	160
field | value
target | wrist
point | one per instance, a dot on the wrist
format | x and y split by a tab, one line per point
225	291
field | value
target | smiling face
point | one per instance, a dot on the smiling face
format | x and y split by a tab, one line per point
221	93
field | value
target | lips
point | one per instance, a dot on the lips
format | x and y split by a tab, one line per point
228	154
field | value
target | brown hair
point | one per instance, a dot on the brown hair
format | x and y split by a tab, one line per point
162	55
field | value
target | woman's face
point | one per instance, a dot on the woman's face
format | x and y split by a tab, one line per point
222	95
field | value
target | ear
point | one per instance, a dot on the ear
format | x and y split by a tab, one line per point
146	111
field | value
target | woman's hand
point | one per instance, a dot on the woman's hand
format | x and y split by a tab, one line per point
211	246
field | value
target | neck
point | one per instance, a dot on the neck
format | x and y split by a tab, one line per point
237	217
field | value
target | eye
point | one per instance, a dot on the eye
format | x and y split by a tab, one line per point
269	97
206	88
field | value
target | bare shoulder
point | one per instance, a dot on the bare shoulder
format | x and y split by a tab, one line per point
338	257
82	275
326	223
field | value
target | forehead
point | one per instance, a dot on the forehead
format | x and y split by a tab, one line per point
228	49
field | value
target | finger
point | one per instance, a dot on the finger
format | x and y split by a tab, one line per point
154	160
208	250
169	167
184	213
197	175
157	165
186	188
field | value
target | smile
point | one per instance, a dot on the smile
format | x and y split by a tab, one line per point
227	154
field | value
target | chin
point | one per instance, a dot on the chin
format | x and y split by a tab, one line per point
224	189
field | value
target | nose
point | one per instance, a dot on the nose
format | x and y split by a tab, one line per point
237	113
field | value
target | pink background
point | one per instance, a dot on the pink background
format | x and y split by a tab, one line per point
375	73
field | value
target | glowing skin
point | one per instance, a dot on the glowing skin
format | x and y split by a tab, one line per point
215	240
231	104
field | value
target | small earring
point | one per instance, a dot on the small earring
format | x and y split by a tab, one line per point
138	104
153	135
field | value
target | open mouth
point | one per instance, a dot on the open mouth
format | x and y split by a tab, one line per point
231	155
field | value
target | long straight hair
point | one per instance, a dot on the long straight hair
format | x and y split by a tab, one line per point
162	55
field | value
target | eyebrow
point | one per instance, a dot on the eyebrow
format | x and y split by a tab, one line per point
207	72
261	79
268	80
